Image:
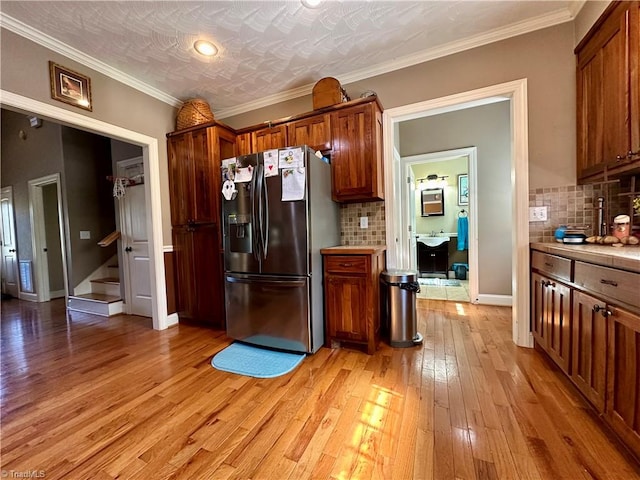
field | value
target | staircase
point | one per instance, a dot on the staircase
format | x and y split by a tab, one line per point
104	299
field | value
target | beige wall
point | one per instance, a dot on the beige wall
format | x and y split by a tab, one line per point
487	129
587	16
25	71
545	58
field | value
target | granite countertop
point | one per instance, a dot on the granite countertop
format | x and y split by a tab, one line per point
353	250
626	257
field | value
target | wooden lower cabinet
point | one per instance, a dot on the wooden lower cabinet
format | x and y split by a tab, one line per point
589	362
352	299
199	276
622	409
551	318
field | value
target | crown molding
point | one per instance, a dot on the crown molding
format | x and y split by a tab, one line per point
502	33
24	30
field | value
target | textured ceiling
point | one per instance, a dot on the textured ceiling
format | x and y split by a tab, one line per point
266	47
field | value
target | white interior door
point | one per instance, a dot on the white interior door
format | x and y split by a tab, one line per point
135	242
9	247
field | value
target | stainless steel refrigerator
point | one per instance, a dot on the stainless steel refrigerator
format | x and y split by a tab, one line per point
274	224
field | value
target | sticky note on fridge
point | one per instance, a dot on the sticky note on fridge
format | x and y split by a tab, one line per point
293	184
291	158
270	163
244	174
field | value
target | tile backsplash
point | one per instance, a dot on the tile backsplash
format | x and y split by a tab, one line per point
573	205
352	234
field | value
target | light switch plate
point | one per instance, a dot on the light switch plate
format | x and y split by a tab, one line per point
364	222
85	235
538	214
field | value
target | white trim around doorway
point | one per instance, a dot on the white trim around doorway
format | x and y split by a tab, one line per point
516	91
152	186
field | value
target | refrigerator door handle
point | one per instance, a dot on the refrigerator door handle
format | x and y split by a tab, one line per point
278	282
254	218
265	223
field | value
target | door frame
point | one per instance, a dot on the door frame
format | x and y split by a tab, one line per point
161	319
39	238
472	209
516	92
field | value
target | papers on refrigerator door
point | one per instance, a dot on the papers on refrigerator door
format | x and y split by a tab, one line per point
293	184
291	158
228	169
244	174
270	163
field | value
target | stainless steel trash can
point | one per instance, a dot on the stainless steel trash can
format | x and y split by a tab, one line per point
399	288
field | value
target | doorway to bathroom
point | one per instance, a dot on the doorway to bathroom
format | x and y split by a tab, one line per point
443	246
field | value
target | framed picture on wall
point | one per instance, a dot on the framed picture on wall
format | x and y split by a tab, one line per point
463	189
69	86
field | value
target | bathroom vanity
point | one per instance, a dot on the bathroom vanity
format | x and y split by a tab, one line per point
433	254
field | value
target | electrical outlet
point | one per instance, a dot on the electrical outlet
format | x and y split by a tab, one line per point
364	222
538	214
85	235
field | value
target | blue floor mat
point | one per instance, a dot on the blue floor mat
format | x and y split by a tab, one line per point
255	361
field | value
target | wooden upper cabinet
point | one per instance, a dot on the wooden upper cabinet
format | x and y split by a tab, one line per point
356	156
268	138
243	143
194	173
313	131
608	123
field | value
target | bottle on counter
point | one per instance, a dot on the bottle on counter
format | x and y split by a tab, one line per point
621	226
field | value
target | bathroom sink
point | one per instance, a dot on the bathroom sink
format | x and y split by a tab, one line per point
433	241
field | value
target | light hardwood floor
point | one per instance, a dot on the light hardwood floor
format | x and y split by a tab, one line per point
85	397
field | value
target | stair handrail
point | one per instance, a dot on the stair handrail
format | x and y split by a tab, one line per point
109	239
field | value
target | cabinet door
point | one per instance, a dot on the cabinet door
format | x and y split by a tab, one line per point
199	280
557	316
268	138
180	178
243	143
537	309
346	304
588	363
314	131
551	318
623	389
204	190
356	157
603	78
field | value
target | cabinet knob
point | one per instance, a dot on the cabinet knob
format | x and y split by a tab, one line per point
631	153
603	310
620	157
346	264
613	283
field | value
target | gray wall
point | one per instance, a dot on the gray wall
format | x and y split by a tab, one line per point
89	199
545	58
488	129
113	102
39	155
83	161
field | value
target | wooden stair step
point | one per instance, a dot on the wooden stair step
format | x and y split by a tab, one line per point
109	280
97	297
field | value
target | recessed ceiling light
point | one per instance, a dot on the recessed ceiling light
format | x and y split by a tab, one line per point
311	3
204	47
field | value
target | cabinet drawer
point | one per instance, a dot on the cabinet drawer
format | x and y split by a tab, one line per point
557	266
611	283
347	264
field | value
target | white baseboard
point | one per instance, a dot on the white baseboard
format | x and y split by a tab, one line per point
29	297
172	319
57	294
499	300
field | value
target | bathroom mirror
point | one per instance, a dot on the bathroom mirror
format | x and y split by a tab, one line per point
432	202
